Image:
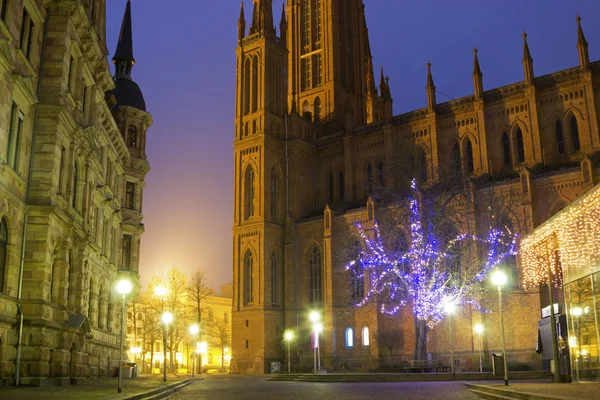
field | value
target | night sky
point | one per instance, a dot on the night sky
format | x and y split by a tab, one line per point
185	65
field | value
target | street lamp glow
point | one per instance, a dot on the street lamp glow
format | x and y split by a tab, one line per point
314	316
194	329
202	347
449	307
124	287
577	311
135	350
318	327
160	291
478	328
289	336
167	318
499	278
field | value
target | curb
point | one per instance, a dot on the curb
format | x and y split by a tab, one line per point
156	394
494	392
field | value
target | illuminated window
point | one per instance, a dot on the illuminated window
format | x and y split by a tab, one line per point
249	193
349	338
365	337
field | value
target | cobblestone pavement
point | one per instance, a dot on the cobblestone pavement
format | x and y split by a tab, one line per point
250	388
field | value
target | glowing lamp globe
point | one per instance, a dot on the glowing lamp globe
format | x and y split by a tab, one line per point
124	286
499	278
314	316
449	307
194	329
167	318
479	328
289	335
160	291
576	312
318	328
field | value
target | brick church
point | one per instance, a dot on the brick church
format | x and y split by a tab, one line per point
313	131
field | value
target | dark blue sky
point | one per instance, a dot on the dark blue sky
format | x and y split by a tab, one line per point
186	67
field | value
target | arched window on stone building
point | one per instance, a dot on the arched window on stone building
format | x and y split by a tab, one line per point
380	177
254	83
248	277
506	150
366	341
274	193
132	136
369	179
560	140
249	193
246	88
469	164
349	338
575	134
3	251
315	276
520	146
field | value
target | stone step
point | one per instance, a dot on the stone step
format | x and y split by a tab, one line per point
491	396
496	392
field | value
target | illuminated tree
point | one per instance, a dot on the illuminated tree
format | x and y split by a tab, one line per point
430	271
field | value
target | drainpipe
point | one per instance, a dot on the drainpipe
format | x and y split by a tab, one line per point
26	217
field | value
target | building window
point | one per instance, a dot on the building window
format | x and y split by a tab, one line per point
248	278
456	165
315	278
520	146
75	199
369	178
331	189
365	337
249	193
84	101
274	278
575	134
131	136
469	149
349	338
317	109
3	251
130	195
61	170
255	84
341	185
274	193
70	74
560	141
506	149
380	180
26	35
3	8
126	255
357	287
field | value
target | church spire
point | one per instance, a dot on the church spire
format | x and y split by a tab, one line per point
527	62
123	57
477	76
241	23
262	17
582	47
431	102
283	25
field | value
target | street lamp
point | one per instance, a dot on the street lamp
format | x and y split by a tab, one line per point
479	329
315	318
449	308
289	336
123	288
499	279
166	318
194	329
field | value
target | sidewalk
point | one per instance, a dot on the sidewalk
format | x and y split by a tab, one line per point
97	389
543	389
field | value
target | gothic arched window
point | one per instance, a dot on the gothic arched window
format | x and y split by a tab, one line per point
248	277
365	337
560	140
349	338
469	150
3	251
132	136
506	149
274	193
315	276
380	179
249	193
254	83
369	178
520	146
575	134
246	88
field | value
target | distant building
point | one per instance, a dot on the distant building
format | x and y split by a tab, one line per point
72	176
313	134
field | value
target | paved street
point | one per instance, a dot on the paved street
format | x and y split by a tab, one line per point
249	388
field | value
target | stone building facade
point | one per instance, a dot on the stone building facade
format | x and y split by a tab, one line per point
73	162
312	132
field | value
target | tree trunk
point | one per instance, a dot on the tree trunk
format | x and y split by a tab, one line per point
421	331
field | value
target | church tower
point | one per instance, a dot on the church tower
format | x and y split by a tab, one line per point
260	208
133	121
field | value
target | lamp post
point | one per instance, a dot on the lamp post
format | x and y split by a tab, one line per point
577	312
479	330
194	329
289	336
315	318
449	308
123	288
167	318
499	279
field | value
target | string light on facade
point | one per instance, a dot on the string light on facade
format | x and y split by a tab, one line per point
422	275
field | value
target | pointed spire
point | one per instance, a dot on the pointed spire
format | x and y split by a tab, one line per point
123	57
582	47
283	25
527	62
241	23
431	101
477	76
262	17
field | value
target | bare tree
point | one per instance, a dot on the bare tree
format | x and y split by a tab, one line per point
390	339
219	331
198	290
